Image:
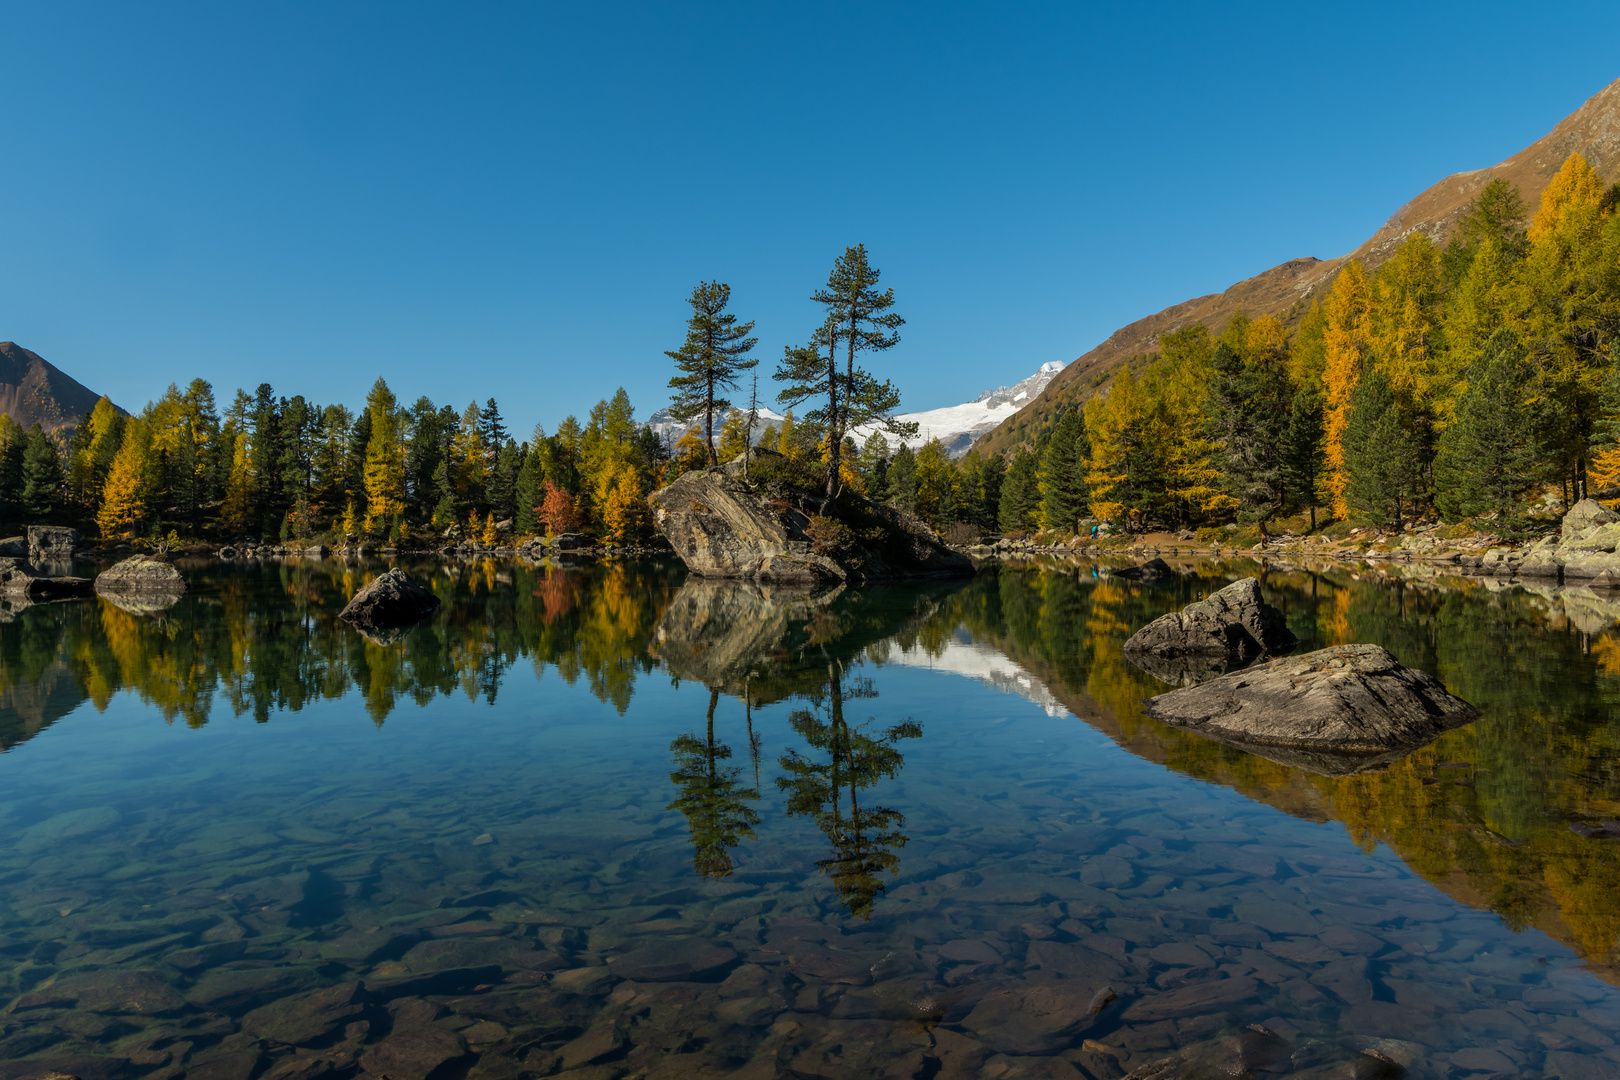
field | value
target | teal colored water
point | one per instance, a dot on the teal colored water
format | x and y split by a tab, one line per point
613	822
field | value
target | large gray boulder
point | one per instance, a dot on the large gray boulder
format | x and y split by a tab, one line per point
394	599
1584	516
141	574
14	547
721	527
18	577
1234	624
51	543
1336	704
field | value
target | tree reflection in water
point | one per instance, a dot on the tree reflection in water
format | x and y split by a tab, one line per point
712	798
864	839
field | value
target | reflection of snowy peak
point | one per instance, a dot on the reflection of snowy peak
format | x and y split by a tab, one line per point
957	426
964	656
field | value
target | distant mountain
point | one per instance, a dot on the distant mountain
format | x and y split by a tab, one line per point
957	426
954	425
1286	291
669	430
33	390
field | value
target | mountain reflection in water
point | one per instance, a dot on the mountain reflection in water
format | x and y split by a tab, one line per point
1494	814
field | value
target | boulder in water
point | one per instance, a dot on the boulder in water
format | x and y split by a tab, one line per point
141	574
14	547
1344	700
51	543
1235	623
1152	570
394	599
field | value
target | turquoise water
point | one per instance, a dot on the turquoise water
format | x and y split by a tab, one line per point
610	822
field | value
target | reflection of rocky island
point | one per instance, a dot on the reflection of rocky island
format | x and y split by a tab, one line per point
762	643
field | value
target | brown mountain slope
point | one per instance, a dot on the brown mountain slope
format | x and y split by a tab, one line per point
1287	290
33	390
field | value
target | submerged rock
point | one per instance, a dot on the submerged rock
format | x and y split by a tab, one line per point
1332	709
723	526
20	578
1234	624
141	574
394	599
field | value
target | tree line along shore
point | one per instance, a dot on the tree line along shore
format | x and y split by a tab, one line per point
1473	383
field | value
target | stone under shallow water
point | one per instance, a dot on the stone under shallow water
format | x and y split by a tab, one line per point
304	897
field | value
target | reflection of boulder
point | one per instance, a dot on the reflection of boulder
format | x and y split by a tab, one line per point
722	527
142	576
1181	670
393	599
141	603
1235	624
716	632
1345	703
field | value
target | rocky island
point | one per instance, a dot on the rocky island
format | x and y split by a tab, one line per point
760	518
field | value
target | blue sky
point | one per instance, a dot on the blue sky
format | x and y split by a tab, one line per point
514	199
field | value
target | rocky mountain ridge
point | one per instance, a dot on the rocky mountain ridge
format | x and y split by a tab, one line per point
35	391
1287	290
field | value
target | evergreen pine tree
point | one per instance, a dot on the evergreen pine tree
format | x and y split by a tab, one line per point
987	508
13	452
903	477
710	361
503	482
1063	473
1247	411
528	492
1382	456
857	319
1020	495
1486	459
1302	457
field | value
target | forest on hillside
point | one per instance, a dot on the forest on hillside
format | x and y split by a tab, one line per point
1464	382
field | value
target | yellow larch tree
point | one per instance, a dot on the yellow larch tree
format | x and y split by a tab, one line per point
1404	320
384	475
469	464
1180	381
123	501
625	509
1576	183
1346	347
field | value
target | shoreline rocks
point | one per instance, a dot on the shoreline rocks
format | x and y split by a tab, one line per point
1343	707
392	600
